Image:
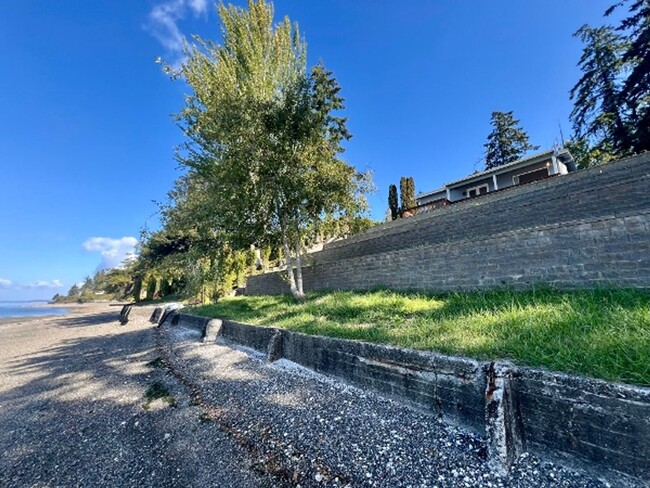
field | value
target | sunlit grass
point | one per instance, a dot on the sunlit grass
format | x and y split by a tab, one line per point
599	333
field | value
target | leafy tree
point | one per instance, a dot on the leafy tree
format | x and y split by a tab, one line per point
137	288
636	56
74	291
264	137
587	155
88	286
507	142
392	201
152	288
118	282
407	192
599	114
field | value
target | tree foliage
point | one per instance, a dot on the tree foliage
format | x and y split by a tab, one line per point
611	114
587	155
393	204
407	192
111	284
507	142
599	112
189	256
635	90
264	137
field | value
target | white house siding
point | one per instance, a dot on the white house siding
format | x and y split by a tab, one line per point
456	192
432	197
504	180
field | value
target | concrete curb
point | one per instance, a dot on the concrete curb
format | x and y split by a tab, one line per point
124	313
592	424
160	314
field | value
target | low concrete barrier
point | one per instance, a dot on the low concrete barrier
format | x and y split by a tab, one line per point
578	419
588	423
451	388
160	314
124	313
186	320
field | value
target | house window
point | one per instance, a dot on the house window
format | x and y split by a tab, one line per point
531	176
477	190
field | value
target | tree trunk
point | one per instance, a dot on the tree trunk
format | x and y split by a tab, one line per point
292	281
300	292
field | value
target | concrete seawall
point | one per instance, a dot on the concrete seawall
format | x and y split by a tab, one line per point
587	423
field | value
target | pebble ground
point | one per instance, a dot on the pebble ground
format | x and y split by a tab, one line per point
74	411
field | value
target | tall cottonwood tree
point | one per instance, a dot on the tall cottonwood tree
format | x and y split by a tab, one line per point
507	142
264	134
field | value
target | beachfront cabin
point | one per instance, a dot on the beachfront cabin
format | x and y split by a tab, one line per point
536	167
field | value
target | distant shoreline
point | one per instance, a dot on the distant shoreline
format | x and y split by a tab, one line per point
73	309
57	310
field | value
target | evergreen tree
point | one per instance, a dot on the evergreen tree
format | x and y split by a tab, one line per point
636	88
88	285
507	142
407	192
598	114
392	201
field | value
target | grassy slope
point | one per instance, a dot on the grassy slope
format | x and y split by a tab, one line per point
602	333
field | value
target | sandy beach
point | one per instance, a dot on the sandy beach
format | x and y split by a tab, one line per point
74	409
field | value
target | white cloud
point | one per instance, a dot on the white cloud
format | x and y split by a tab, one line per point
198	6
162	22
45	284
113	251
35	285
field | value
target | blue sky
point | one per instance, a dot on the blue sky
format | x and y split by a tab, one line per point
87	137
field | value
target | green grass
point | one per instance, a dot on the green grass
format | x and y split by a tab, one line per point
600	333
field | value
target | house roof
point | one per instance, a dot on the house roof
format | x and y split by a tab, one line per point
510	166
562	154
433	192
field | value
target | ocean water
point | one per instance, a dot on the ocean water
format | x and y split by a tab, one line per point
28	309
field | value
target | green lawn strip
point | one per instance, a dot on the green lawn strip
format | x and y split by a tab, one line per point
599	333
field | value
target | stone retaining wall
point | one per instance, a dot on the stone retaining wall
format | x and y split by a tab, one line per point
586	253
589	423
584	229
613	189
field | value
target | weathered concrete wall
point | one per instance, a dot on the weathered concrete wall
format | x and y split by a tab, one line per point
571	419
577	419
187	320
584	229
451	388
258	338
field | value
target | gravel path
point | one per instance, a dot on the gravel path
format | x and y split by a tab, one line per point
82	404
313	431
